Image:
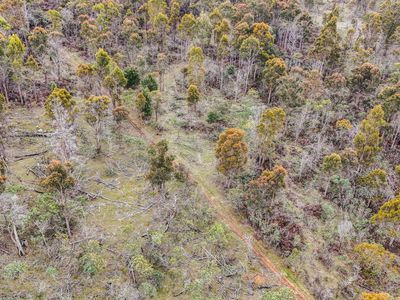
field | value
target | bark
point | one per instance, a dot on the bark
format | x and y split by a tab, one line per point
6	92
98	138
17	241
66	218
21	98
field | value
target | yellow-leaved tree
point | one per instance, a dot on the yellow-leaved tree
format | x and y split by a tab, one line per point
367	140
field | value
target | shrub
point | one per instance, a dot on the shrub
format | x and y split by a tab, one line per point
14	269
132	77
283	293
15	188
150	83
120	113
148	290
375	296
377	264
328	211
92	261
215	117
218	235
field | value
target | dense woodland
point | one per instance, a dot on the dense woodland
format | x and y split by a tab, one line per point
151	148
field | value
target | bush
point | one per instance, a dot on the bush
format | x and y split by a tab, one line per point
375	296
215	117
14	269
132	77
92	261
283	293
15	189
2	102
150	83
328	211
217	235
120	113
148	290
378	265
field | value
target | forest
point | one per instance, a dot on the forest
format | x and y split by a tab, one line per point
197	149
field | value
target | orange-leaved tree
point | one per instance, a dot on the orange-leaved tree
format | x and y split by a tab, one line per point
231	152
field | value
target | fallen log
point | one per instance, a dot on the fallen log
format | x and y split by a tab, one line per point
21	157
30	134
94	196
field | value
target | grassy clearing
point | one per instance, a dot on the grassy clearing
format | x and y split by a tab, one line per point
119	223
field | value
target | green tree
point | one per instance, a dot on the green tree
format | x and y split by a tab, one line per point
390	12
162	65
115	82
144	104
372	29
97	108
154	8
222	54
161	28
45	216
331	165
132	77
149	83
390	97
196	72
60	106
204	28
274	69
156	97
271	124
327	45
161	166
222	28
59	180
290	90
38	39
364	78
249	50
187	28
142	268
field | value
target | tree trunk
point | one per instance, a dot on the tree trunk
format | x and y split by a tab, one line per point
395	137
17	241
98	138
21	98
63	204
269	94
6	92
67	225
